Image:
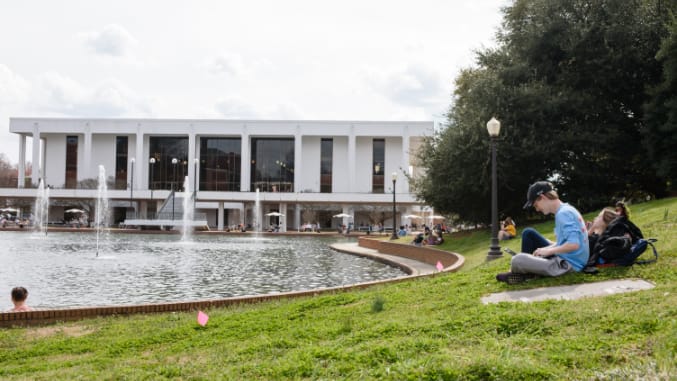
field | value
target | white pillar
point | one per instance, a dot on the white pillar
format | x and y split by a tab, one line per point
21	180
245	162
283	219
85	166
220	216
36	174
404	187
351	160
297	216
141	163
298	159
191	157
242	214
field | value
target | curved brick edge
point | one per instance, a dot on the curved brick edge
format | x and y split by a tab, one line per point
450	260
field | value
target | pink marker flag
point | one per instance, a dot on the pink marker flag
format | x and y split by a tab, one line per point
202	318
439	266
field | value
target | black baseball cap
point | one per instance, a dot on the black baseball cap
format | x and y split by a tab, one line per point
536	189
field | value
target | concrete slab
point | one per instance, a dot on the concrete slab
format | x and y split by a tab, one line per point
416	267
572	292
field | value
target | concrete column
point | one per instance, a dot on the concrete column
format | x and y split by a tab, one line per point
405	162
85	166
283	219
298	159
21	181
36	175
351	159
141	163
220	216
191	157
297	216
242	214
245	162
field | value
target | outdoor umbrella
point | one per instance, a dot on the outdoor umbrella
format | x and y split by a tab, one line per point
274	214
9	210
75	211
412	216
343	215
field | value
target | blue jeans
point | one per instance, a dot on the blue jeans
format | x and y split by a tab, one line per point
532	240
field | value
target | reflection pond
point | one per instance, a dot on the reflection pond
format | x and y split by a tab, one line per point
63	270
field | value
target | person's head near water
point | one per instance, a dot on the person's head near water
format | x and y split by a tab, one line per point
543	197
19	296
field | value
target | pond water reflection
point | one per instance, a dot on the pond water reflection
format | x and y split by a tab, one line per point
62	269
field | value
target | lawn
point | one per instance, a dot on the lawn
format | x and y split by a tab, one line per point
431	328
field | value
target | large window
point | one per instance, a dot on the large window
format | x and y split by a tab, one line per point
326	153
272	165
220	164
71	162
378	163
121	162
166	175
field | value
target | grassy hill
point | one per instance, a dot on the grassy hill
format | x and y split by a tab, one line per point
433	328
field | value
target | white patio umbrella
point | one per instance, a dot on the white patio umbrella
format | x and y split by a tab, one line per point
342	215
413	217
75	211
274	214
9	210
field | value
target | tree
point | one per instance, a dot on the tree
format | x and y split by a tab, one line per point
660	133
568	82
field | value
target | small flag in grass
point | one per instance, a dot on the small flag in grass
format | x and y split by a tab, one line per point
202	318
439	266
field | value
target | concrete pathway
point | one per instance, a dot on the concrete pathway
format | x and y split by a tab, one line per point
572	292
417	268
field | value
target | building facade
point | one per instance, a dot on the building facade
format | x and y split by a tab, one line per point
308	171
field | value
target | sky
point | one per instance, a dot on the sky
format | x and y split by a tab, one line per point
236	59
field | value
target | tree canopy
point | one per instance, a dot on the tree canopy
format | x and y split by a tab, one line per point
569	81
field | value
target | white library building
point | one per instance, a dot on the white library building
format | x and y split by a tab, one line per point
293	173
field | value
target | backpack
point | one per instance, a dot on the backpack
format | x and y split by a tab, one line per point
620	245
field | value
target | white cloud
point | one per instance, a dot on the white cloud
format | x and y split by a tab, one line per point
113	40
13	88
415	85
56	94
238	108
225	64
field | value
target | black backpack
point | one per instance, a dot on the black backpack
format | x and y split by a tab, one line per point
620	245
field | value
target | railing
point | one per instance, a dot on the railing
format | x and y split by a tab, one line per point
132	215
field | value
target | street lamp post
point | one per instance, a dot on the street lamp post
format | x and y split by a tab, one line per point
394	236
195	161
131	188
152	166
174	162
494	128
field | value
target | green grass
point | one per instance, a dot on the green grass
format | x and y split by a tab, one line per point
432	329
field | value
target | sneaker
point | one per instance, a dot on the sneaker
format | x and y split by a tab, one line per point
513	278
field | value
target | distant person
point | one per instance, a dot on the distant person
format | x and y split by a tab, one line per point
402	232
540	256
508	230
622	209
19	296
418	240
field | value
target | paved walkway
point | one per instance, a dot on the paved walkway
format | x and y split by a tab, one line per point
570	292
416	267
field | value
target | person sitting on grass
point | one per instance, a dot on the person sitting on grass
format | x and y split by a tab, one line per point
19	296
508	230
539	256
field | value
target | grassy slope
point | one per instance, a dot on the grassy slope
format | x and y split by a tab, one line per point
434	328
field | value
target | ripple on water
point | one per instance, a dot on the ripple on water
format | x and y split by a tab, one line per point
62	269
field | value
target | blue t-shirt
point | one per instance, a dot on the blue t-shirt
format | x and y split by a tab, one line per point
570	228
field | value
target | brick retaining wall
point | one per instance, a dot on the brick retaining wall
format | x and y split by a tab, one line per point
423	254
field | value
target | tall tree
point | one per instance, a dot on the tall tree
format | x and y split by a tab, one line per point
568	81
660	134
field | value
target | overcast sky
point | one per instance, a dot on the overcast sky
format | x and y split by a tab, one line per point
251	59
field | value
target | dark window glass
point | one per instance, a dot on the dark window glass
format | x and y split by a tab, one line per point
121	148
165	174
272	165
326	154
378	160
71	162
220	164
